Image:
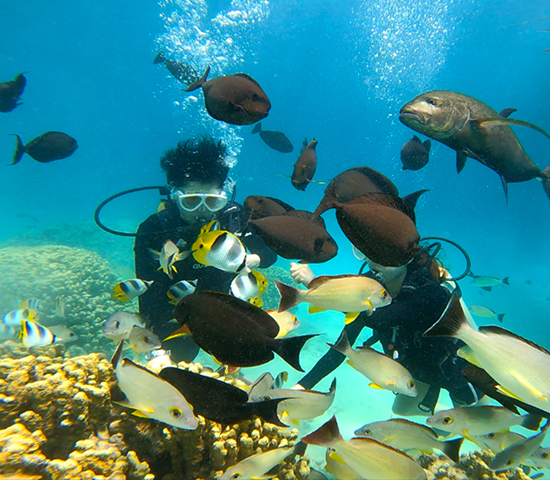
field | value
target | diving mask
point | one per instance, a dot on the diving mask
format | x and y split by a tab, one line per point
191	202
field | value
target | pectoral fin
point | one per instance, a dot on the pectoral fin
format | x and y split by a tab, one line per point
350	317
337	458
460	161
507	121
507	392
180	332
374	385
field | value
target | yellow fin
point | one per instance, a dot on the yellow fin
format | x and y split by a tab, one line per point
466	353
350	317
282	332
374	385
295	422
532	390
312	309
140	414
337	458
350	364
179	333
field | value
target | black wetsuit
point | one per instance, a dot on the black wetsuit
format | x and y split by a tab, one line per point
154	303
399	328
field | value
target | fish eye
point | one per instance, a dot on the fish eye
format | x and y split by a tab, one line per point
71	334
367	432
431	101
236	475
410	385
544	455
176	412
384	293
447	420
510	462
492	435
117	324
266	397
146	339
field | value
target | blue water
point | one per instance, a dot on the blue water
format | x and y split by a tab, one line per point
336	71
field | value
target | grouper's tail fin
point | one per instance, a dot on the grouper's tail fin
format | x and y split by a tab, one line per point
546	181
451	320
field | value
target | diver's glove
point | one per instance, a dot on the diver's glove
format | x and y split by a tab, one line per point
301	273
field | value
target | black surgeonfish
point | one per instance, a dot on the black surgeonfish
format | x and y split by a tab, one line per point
415	154
46	148
381	226
217	400
182	72
256	206
305	166
235	332
275	140
235	99
10	93
353	183
475	130
297	235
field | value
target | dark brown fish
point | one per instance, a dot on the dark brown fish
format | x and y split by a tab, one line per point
275	140
381	226
297	235
475	130
10	93
256	206
353	183
182	72
217	400
415	154
305	166
235	99
235	332
46	148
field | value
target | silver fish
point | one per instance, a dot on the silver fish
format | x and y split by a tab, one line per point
142	340
515	454
119	325
256	466
150	396
63	334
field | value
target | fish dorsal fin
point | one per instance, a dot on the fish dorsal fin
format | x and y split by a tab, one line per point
286	206
305	215
248	77
502	331
507	121
357	440
416	139
387	200
117	355
323	278
404	421
507	112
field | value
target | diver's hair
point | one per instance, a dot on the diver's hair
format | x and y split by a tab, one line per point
195	160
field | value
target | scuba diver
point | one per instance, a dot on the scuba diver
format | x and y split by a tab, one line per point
419	299
200	191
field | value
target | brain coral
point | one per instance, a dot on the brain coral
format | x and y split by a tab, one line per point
66	425
81	277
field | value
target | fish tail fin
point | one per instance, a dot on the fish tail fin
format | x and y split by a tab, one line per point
500	317
290	296
342	344
324	436
531	421
506	280
160	57
257	128
451	321
451	448
289	349
267	409
19	150
199	82
117	355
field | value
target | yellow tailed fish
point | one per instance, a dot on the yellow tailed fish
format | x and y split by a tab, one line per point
338	468
480	420
406	435
150	396
129	289
367	457
384	372
168	256
35	335
519	366
256	466
286	321
350	294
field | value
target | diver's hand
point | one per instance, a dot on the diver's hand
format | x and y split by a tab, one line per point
301	273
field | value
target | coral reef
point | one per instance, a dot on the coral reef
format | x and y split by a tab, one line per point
59	422
271	295
81	277
472	466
